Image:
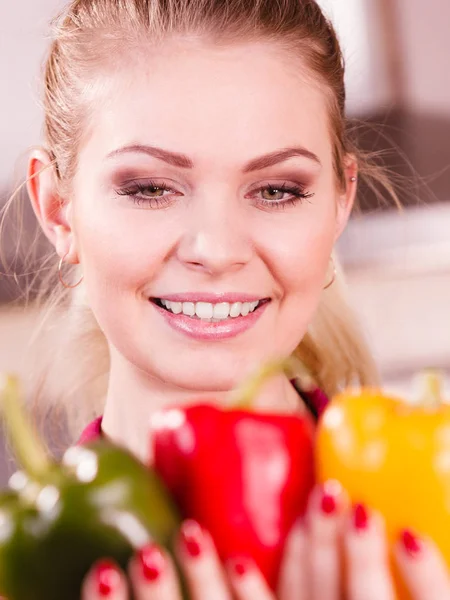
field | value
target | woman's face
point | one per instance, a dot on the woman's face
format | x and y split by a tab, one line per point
206	186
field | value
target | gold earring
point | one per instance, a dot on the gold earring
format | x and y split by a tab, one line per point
334	275
66	285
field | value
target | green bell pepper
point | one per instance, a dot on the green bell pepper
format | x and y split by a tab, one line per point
56	520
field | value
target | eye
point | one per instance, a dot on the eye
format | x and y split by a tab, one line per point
149	193
274	195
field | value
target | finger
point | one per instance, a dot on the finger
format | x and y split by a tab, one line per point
153	575
324	520
293	572
201	566
247	581
104	580
422	567
369	576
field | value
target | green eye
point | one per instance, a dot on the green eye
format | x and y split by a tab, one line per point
278	196
148	193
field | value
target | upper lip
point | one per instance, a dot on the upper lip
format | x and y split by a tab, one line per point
229	297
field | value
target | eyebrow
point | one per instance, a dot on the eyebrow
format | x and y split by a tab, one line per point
177	159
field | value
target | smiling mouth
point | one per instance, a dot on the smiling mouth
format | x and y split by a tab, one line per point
210	312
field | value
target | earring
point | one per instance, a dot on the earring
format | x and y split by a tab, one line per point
333	276
66	285
353	179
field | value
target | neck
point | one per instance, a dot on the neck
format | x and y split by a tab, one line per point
133	397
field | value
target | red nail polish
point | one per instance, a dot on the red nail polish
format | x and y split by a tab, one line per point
151	562
411	543
240	566
330	491
106	578
328	504
192	538
360	517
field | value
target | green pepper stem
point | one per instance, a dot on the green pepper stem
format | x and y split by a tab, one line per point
430	388
31	453
244	395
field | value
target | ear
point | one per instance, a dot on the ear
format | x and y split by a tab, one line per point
52	212
346	197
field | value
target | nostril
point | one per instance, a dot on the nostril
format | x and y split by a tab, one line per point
201	266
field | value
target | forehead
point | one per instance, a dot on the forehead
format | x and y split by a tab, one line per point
211	102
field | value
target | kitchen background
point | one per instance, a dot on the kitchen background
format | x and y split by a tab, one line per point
397	263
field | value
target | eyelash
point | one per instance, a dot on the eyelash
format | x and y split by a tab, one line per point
138	187
298	192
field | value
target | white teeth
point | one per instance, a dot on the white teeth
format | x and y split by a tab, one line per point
221	311
235	309
211	312
188	309
175	307
204	310
245	309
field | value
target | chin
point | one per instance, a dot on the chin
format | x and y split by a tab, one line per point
204	378
215	372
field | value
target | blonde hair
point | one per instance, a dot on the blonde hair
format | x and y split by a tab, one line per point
86	35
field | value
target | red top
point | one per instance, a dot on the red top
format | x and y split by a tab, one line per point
92	432
315	400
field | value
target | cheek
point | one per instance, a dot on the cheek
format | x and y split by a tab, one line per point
120	250
302	266
299	254
300	262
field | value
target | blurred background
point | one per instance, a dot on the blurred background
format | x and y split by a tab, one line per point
397	263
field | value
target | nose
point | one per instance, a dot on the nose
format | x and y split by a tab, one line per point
216	239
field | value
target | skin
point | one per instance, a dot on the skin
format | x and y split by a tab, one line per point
222	107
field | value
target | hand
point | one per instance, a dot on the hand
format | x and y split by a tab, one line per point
153	576
312	568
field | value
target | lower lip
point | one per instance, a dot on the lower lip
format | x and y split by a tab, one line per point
204	330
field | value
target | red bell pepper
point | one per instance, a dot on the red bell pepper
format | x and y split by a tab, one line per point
245	476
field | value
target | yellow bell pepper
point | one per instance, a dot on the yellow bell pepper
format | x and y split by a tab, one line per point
394	457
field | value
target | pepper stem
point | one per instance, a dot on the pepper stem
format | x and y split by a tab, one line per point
244	395
31	453
429	383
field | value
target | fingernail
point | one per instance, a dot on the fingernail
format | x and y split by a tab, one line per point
411	543
240	566
328	499
192	538
328	503
360	517
106	578
151	562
